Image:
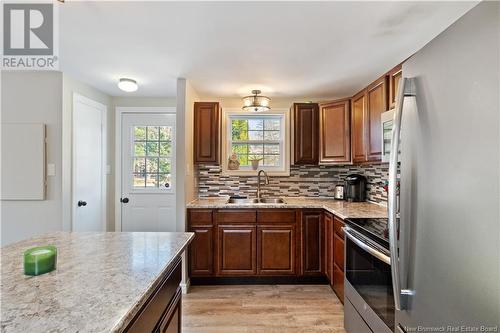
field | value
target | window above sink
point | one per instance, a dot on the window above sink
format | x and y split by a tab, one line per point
256	135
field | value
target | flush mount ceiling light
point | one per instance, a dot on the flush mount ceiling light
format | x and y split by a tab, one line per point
255	102
127	85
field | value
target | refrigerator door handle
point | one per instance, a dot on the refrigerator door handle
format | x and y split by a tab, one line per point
406	88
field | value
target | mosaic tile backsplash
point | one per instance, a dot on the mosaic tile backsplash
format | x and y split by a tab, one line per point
304	181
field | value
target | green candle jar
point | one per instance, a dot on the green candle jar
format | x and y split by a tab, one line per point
40	260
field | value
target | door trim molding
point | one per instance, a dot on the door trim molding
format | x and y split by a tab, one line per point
119	112
77	98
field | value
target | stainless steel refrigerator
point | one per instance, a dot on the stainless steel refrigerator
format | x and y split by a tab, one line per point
446	275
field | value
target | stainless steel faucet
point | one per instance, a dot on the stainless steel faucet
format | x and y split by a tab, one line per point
258	181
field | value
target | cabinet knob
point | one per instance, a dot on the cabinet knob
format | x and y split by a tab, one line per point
124	200
82	203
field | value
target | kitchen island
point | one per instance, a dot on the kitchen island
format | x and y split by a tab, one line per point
104	282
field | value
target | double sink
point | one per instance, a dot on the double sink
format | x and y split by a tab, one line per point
255	201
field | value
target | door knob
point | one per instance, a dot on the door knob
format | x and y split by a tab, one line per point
124	200
82	203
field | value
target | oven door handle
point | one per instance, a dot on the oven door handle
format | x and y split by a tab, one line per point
358	238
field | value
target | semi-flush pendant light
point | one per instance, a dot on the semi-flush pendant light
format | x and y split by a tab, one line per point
127	85
255	102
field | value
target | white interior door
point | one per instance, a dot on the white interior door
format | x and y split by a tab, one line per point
148	172
89	185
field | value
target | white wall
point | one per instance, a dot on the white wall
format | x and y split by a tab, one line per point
144	101
34	97
186	96
71	86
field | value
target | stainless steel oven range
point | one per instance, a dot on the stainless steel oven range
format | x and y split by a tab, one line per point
369	298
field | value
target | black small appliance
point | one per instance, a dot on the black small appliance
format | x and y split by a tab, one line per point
355	188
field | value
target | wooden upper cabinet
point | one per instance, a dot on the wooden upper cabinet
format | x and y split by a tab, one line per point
335	133
207	118
358	125
394	77
376	105
305	133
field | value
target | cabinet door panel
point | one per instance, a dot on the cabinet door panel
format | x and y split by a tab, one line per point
376	105
358	124
338	224
306	133
338	251
206	132
236	250
276	249
395	76
329	247
335	134
313	244
201	252
338	282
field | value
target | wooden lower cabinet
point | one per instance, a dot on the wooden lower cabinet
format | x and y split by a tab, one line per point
236	253
201	251
329	246
338	282
338	258
312	243
307	243
276	250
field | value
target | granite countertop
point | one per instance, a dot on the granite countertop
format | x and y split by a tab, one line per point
101	281
342	209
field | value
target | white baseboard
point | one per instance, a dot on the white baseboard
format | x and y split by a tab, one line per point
185	286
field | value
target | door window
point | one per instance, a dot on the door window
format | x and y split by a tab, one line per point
152	157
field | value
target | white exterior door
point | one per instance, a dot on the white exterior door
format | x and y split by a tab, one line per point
148	172
89	185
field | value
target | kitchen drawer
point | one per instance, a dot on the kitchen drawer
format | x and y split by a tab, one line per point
353	322
276	215
236	216
200	217
337	226
151	313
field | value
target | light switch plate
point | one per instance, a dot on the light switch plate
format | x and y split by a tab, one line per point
51	169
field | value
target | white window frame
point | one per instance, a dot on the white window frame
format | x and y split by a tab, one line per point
283	170
153	190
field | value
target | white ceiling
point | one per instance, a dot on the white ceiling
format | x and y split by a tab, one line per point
287	49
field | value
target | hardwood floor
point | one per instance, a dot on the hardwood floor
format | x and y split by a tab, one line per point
262	309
